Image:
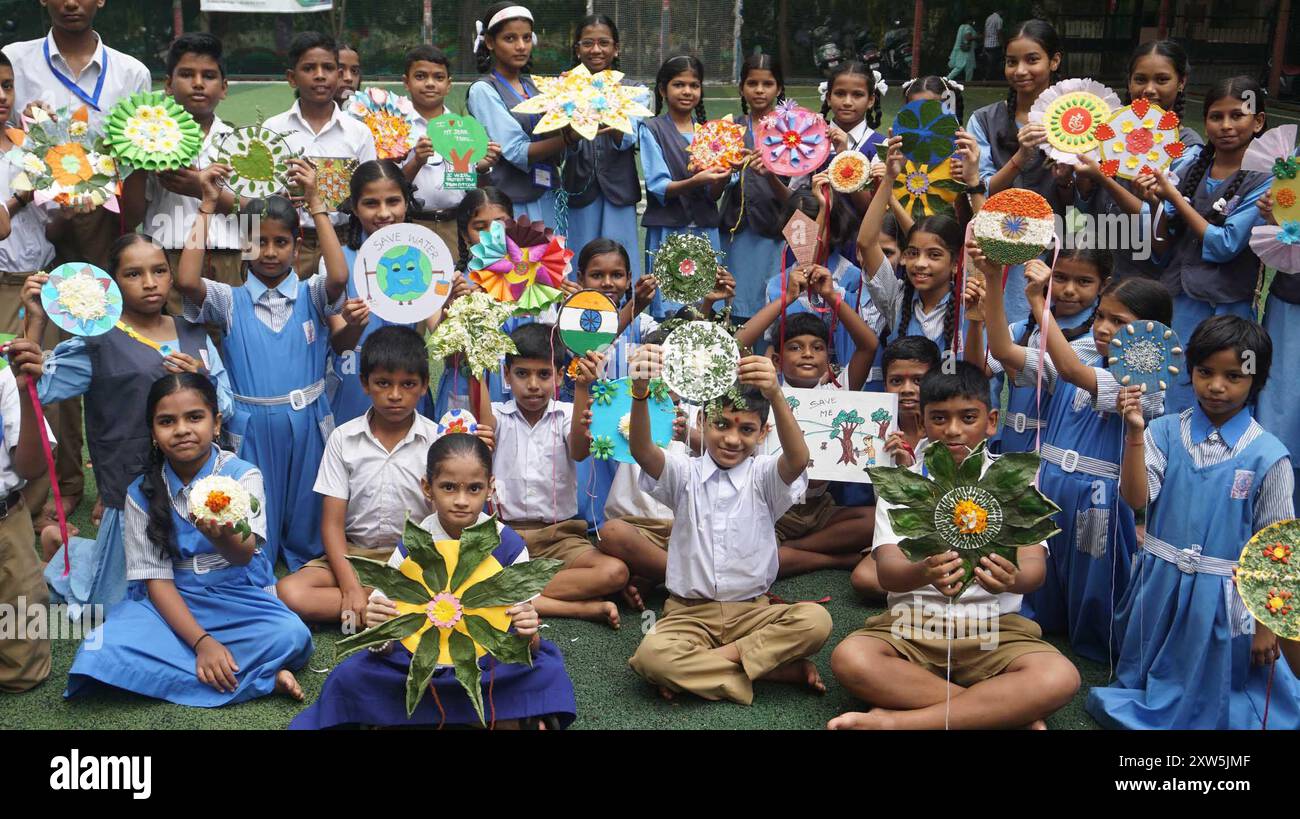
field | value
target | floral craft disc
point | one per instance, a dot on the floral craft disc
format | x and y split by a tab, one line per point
611	411
1268	578
792	141
520	262
1139	138
1278	246
81	299
850	172
929	132
390	118
925	191
1014	226
404	272
1273	153
334	179
588	322
225	500
686	267
62	162
258	161
456	421
150	131
1145	354
700	361
584	101
472	330
718	143
1072	111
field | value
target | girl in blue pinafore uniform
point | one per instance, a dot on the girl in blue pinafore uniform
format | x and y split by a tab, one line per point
1209	267
369	688
381	196
678	200
1185	652
528	171
1278	400
114	371
600	176
275	343
232	639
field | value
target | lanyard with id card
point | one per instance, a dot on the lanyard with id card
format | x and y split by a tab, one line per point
542	173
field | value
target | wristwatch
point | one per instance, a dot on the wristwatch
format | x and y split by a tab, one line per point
980	188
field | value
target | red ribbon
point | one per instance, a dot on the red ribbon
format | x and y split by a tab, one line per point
54	479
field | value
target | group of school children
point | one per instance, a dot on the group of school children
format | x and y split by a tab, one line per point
277	376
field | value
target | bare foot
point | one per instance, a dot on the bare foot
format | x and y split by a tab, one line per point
632	596
597	611
286	683
877	719
797	672
1038	725
666	693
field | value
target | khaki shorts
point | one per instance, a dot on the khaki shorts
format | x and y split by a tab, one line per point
381	554
974	659
804	518
655	530
566	540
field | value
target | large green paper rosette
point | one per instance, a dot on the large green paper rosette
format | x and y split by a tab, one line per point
151	132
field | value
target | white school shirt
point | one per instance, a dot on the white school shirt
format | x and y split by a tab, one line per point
26	249
123	74
13	416
382	488
169	217
723	546
342	136
626	498
535	479
429	193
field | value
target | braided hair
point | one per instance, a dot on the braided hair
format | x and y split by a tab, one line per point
373	171
1239	88
673	67
761	62
939	86
470	205
1102	261
1177	57
1043	34
950	233
855	68
161	529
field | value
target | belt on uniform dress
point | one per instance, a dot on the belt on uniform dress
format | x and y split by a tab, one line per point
1021	422
1191	561
1070	460
297	399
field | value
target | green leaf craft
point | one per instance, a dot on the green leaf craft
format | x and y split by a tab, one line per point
150	131
956	508
451	597
258	160
700	361
686	267
1268	578
929	132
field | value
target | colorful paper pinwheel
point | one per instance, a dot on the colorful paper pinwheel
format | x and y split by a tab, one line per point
718	143
792	141
62	162
390	118
81	299
584	101
1268	578
150	131
451	597
925	191
520	262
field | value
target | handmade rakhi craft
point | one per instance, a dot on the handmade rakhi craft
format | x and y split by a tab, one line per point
1140	138
451	597
956	508
686	267
390	118
718	143
404	272
924	191
1146	354
258	161
700	361
929	132
223	500
588	322
62	162
611	416
1014	226
81	299
584	101
150	131
850	172
1268	578
472	329
792	141
1072	111
520	262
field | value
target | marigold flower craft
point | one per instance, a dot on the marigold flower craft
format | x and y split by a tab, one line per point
1268	579
224	500
850	172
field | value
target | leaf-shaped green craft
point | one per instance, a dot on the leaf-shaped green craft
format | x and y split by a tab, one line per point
928	132
254	163
258	160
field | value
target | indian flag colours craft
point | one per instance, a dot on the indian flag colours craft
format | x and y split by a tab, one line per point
1014	226
1146	354
451	597
1072	111
1139	138
718	143
588	322
1268	578
585	101
520	262
150	131
61	161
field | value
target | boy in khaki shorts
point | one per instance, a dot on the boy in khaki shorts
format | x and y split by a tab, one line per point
1000	673
719	631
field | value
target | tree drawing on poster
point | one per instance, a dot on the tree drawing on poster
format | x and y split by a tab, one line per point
845	431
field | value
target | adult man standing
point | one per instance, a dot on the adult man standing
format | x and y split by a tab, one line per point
993	46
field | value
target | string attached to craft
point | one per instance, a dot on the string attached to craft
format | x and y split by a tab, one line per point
54	482
1042	350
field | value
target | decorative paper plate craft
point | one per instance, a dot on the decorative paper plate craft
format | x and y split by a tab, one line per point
472	330
1072	111
1138	139
390	118
224	500
451	597
585	101
700	361
1146	354
404	272
1014	226
955	508
81	299
792	141
461	141
588	322
850	172
686	267
334	178
1278	246
1268	578
521	262
456	421
150	131
1273	153
61	161
611	418
925	191
929	132
258	160
718	143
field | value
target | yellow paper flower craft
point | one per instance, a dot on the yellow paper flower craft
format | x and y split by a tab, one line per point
584	101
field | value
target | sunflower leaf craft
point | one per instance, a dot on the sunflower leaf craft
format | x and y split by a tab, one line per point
929	132
81	299
1268	577
686	267
1014	226
258	160
957	508
472	329
1072	111
390	118
150	131
451	597
62	162
792	141
584	101
718	143
520	262
1139	138
925	191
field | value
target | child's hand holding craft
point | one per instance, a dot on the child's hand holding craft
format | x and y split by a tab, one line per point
211	183
896	445
423	152
795	282
973	296
31	296
709	176
1030	137
26	359
758	371
822	282
379	610
839	139
485	434
1129	405
894	159
182	363
996	574
356	312
1265	205
646	363
489	159
992	273
1038	277
1264	647
589	368
644	292
724	288
944	572
524	619
303	175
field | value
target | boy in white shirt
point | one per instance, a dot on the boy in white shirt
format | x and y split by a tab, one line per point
1005	676
719	631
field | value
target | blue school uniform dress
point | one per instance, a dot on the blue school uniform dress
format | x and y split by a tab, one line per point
842	346
369	688
750	231
141	653
1278	400
114	372
664	160
530	185
1185	634
276	342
